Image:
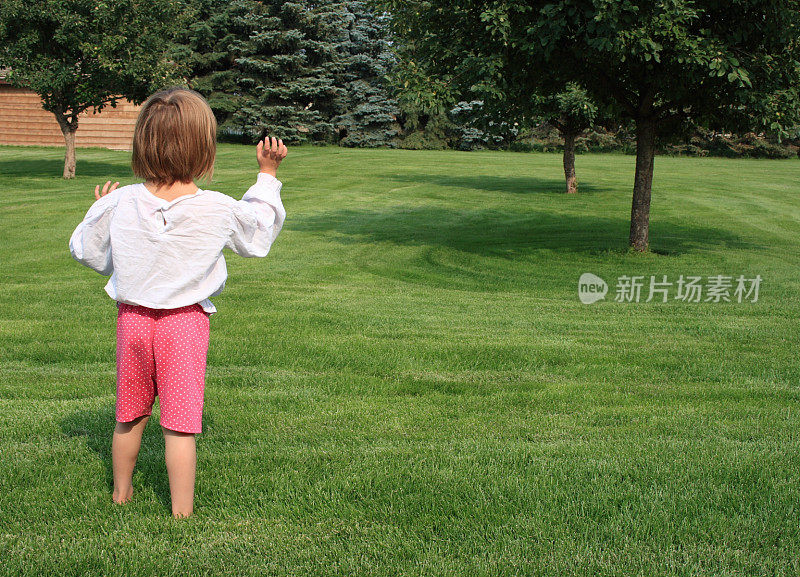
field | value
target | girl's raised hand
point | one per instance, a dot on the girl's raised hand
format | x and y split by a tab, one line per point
269	153
106	190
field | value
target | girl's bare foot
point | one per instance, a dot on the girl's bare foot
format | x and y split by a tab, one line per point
122	497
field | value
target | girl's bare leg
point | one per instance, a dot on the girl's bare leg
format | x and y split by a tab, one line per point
124	451
181	457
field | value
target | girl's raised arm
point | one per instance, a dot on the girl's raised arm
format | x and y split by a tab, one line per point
259	216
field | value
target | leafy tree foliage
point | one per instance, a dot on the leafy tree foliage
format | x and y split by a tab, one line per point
662	63
87	54
471	128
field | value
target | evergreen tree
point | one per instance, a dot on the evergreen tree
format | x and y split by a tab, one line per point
286	66
301	70
367	112
206	49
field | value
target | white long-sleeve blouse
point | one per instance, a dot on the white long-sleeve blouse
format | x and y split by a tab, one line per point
166	255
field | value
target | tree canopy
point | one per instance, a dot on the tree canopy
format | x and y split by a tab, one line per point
86	54
661	63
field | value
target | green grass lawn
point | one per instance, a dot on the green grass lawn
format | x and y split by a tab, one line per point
409	385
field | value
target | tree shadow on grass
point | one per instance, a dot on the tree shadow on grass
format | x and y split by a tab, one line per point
508	184
53	167
495	233
97	426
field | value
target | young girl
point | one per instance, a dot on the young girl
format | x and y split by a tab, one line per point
161	241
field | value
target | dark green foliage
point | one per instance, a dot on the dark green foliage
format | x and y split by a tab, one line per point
425	140
570	110
472	128
424	102
366	112
750	145
710	61
544	137
286	64
205	46
300	70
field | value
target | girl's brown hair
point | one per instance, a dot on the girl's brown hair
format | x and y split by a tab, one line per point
175	138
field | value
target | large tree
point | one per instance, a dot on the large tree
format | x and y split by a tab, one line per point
286	66
731	66
366	112
302	70
87	54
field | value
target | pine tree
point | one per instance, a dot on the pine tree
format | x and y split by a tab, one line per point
300	70
366	111
286	66
205	48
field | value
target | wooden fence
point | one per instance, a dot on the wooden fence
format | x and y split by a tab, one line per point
24	122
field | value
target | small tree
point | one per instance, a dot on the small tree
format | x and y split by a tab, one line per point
571	112
86	54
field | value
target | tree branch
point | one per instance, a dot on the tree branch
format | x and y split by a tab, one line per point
619	94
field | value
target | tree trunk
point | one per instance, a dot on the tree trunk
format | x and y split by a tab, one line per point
569	162
69	156
68	129
642	184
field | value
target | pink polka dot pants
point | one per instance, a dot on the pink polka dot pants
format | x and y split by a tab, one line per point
162	352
